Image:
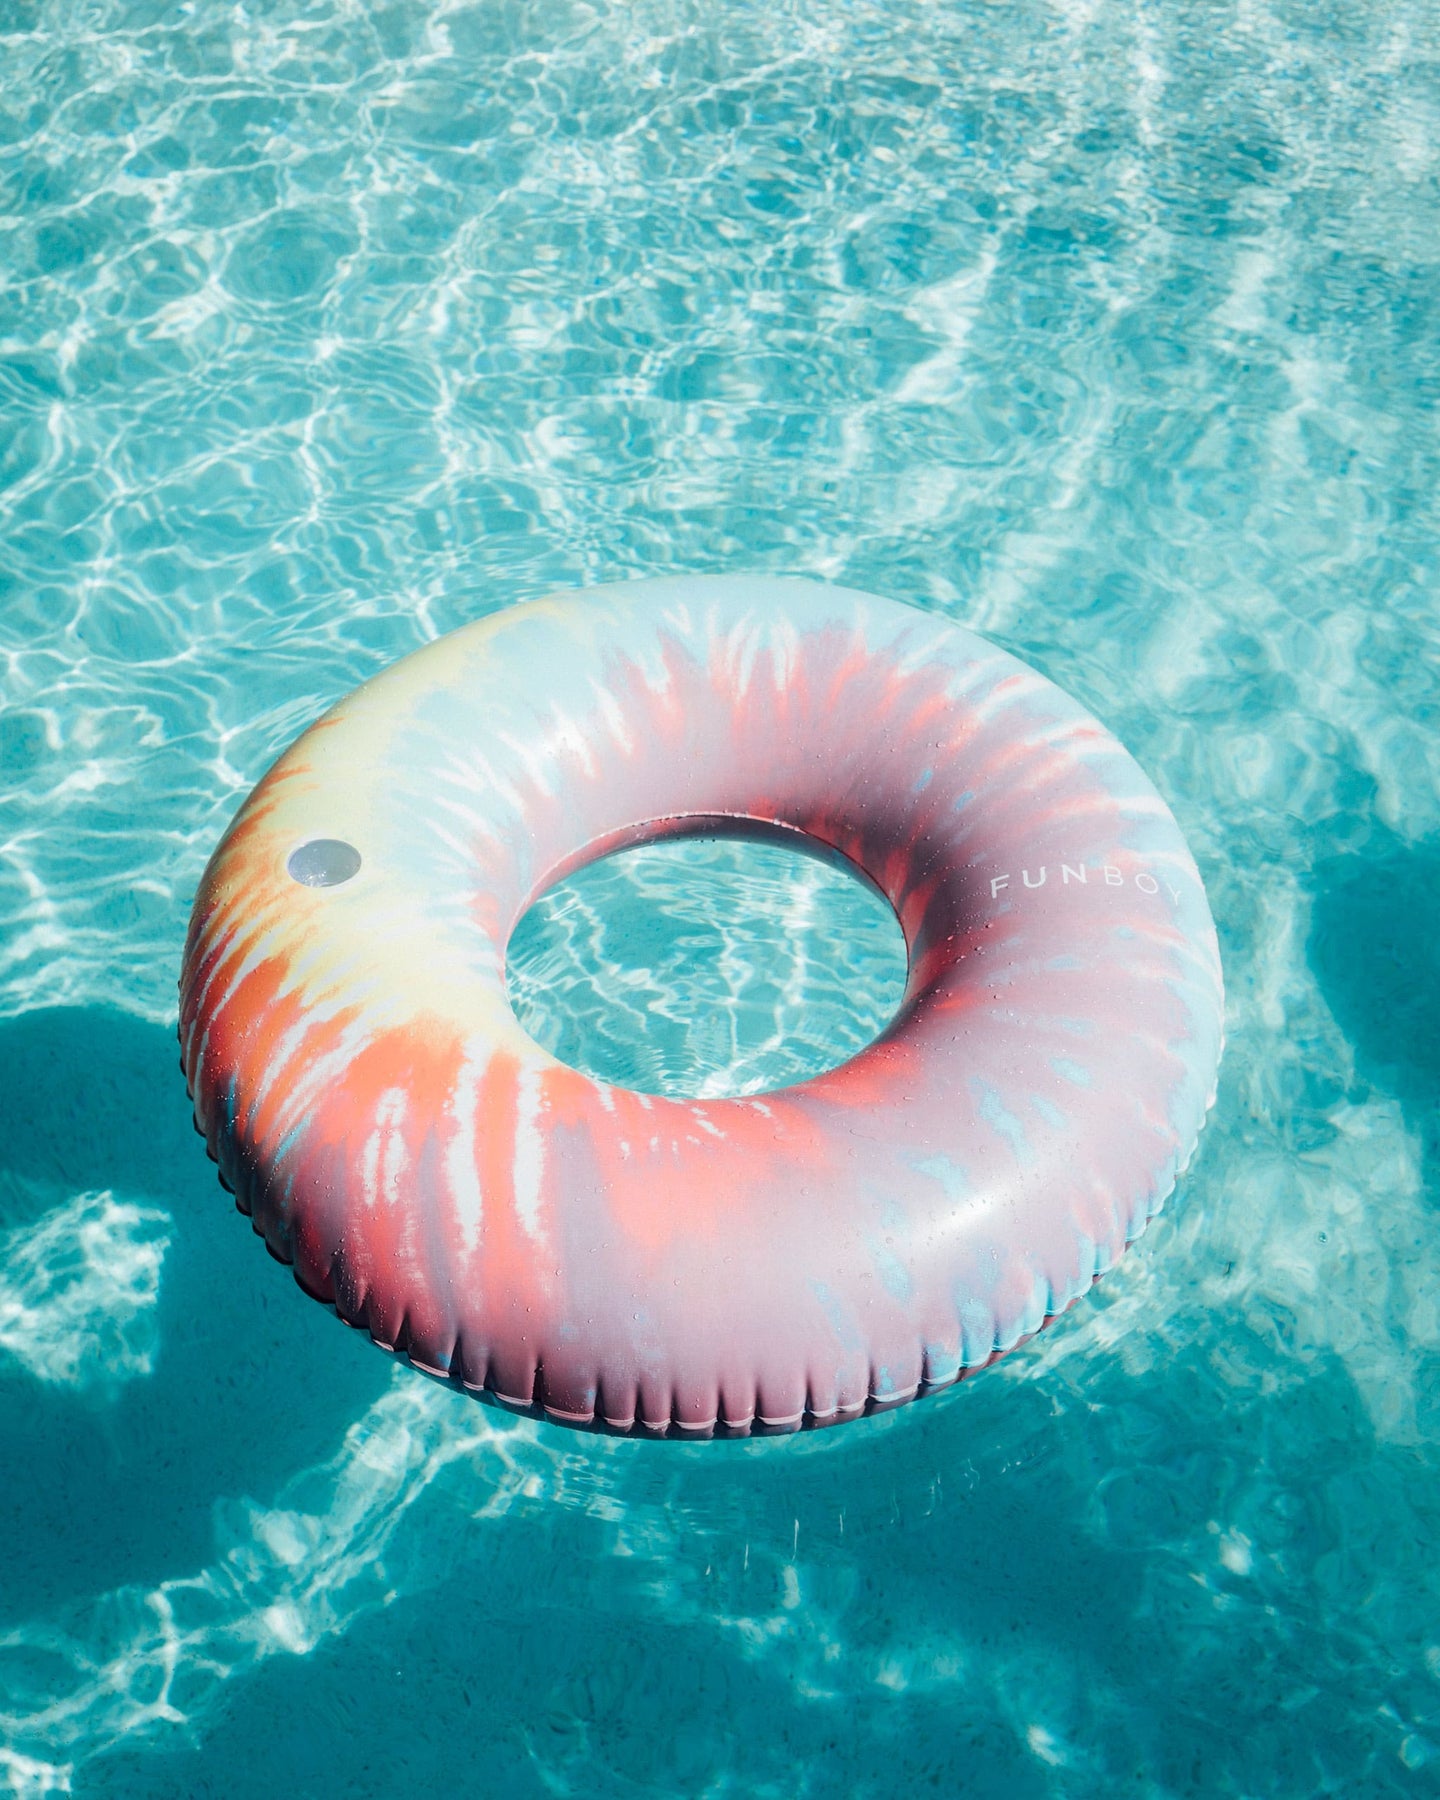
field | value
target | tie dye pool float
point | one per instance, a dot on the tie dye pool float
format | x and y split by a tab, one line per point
635	1263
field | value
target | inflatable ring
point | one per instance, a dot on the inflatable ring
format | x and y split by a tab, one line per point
635	1263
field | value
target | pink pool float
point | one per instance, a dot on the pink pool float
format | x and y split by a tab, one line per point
642	1264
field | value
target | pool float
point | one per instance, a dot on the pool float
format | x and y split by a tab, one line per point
635	1263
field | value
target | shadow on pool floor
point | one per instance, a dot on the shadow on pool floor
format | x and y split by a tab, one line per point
106	1482
1375	949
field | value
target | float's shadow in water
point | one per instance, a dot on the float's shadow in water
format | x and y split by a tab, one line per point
249	1380
1375	948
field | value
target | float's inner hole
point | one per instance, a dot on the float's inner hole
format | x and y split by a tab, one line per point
707	966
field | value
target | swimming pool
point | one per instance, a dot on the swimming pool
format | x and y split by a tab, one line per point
1110	330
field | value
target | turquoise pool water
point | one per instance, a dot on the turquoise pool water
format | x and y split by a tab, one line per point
707	967
1108	328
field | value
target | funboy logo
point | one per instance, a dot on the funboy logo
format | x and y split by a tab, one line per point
1106	873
